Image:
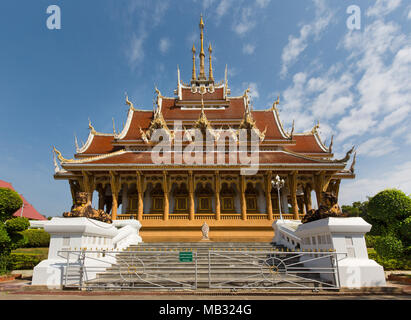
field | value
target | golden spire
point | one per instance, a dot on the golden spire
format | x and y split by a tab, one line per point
210	72
193	77
202	75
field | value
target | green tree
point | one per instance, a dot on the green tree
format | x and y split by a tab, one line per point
389	212
389	209
10	202
10	228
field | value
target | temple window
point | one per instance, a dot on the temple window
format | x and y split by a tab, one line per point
204	196
181	199
251	194
157	196
133	203
227	195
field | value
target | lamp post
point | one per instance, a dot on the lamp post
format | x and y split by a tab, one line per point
278	184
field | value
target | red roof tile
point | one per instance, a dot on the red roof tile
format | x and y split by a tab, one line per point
306	144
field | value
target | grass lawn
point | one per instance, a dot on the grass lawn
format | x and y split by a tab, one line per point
43	252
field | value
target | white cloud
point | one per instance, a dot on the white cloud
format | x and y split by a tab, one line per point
408	138
409	15
384	89
253	94
383	7
159	12
164	45
376	147
223	8
296	45
360	188
136	51
248	49
262	3
207	4
245	22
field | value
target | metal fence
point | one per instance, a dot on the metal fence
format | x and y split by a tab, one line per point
187	268
273	270
148	269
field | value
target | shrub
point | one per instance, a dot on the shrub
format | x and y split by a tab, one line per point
24	261
370	240
10	202
36	238
406	229
389	247
390	207
390	264
17	224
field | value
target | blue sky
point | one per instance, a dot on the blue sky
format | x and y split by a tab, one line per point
355	82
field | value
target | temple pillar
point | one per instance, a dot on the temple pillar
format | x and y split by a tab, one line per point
301	206
268	188
115	186
292	182
74	188
319	182
166	196
88	183
284	199
307	197
217	196
243	200
101	197
124	199
191	205
140	193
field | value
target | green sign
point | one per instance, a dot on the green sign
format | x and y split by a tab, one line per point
186	256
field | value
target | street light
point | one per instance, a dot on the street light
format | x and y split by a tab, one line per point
278	184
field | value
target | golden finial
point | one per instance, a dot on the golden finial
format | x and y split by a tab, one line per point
193	76
201	21
352	168
276	103
128	102
202	75
114	127
292	130
59	156
210	72
93	131
330	147
76	143
316	127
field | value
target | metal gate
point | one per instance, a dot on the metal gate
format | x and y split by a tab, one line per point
241	269
145	269
223	268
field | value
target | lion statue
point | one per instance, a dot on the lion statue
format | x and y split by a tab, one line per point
328	208
83	208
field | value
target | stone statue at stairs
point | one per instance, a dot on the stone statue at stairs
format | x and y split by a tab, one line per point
205	229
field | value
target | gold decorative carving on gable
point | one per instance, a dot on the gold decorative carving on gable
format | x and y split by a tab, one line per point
179	179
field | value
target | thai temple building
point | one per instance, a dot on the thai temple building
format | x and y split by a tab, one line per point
173	199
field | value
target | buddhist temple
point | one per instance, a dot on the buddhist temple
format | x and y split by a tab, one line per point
172	200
